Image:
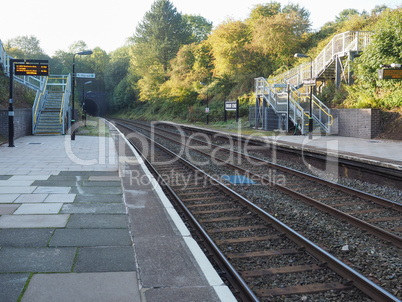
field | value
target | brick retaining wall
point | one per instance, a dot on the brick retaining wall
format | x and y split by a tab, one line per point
360	123
22	123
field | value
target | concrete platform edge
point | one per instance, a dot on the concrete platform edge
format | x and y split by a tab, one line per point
277	142
206	267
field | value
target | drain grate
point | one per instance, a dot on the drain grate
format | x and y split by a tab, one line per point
34	143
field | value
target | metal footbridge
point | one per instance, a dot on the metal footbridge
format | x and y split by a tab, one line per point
285	98
50	110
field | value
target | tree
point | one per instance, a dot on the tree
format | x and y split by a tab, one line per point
78	46
25	47
265	10
346	14
118	81
163	31
229	47
200	27
191	66
384	48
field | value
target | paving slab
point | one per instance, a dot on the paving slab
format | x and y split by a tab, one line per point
97	190
15	183
55	183
7	209
88	287
34	221
35	198
182	294
102	173
16	190
70	178
11	286
105	178
38	208
63	198
73	173
30	177
93	208
152	221
105	259
26	237
140	198
91	237
157	259
18	260
8	198
55	190
96	221
115	198
93	183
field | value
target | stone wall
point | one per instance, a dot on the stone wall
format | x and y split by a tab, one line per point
22	123
360	123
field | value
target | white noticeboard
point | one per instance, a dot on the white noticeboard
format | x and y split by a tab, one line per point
85	75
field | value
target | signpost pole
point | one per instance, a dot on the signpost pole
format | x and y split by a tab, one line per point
73	111
237	110
224	109
11	108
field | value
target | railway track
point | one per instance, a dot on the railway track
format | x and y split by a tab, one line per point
378	216
346	168
272	259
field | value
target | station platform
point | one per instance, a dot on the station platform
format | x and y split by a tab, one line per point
84	220
377	152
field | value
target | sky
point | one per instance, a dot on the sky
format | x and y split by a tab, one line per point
108	23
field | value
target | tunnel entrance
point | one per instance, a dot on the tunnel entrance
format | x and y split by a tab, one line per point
92	107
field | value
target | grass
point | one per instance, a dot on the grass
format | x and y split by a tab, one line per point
242	128
95	126
2	139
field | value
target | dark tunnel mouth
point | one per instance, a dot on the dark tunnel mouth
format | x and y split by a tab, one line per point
92	107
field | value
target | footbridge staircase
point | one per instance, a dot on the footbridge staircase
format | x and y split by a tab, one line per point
50	110
286	98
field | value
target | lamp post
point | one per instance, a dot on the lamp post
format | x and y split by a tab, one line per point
206	109
82	53
310	120
83	101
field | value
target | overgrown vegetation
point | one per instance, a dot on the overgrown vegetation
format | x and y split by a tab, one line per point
23	97
174	63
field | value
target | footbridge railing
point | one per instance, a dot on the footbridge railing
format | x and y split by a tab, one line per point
43	86
339	46
291	81
32	82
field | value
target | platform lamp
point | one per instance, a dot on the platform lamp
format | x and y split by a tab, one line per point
310	120
83	101
207	109
82	53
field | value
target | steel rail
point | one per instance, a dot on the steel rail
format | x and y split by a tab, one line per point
358	280
232	275
376	199
379	172
376	231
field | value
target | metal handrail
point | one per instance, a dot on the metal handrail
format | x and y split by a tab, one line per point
339	45
315	99
61	108
269	93
65	102
39	101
